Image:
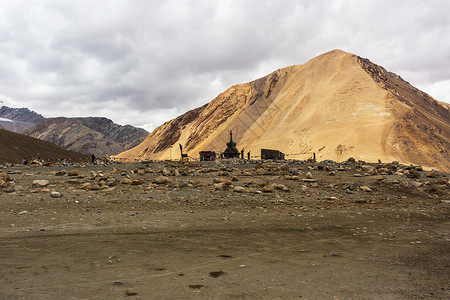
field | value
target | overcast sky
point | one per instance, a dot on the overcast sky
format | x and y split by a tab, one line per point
146	62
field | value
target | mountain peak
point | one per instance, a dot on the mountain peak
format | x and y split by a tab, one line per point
336	105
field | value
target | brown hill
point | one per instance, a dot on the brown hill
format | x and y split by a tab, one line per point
337	105
93	135
14	147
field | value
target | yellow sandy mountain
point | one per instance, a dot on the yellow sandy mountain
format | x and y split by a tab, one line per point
337	105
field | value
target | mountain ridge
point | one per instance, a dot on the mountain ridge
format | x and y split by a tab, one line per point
336	105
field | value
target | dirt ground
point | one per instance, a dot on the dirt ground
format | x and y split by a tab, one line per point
184	231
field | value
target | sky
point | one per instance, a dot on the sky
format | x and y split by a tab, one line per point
144	62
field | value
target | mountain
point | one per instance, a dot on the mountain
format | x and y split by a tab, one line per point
18	119
337	105
92	135
14	147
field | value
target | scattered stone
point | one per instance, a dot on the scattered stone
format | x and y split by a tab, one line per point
239	189
365	188
309	180
126	181
40	183
309	175
379	178
267	189
162	180
431	174
74	173
56	194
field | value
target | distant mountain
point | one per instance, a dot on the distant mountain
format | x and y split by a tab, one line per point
14	147
92	135
337	105
18	119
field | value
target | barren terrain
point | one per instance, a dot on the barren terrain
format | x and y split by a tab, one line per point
224	230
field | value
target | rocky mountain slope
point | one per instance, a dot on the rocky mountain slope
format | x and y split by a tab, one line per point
18	119
92	135
337	105
14	147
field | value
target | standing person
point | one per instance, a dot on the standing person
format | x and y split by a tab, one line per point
92	158
25	161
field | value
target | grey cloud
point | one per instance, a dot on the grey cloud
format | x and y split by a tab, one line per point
164	57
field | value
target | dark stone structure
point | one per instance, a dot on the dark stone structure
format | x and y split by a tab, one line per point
231	151
207	155
271	154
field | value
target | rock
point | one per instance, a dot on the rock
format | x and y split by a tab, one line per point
309	175
221	186
45	190
365	188
60	173
309	180
378	178
86	186
293	171
162	180
176	173
56	194
40	183
74	173
412	174
234	178
332	173
246	173
284	167
96	187
137	182
126	181
431	174
5	177
267	189
239	189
